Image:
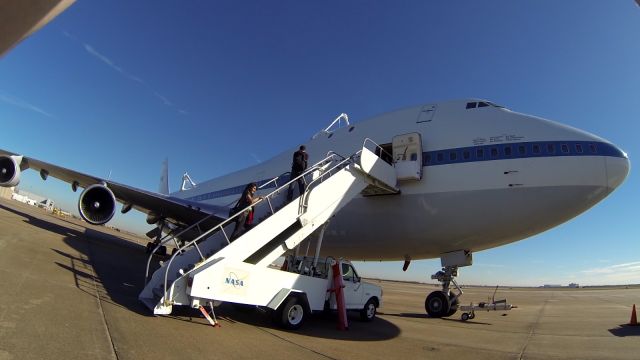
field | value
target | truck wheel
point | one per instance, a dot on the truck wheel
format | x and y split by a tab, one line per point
293	314
368	313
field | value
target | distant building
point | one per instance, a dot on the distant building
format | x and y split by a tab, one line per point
574	285
551	286
33	200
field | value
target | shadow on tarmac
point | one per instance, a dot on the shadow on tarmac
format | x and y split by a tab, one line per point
625	330
319	325
111	268
426	316
108	263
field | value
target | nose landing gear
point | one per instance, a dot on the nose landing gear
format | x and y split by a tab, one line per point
445	303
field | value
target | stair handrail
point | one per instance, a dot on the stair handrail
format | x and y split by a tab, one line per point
342	163
222	224
168	238
351	158
382	150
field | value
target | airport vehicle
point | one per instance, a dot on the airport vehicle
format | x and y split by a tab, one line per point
315	290
215	267
469	175
469	311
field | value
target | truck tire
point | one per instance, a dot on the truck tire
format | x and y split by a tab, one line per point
292	314
368	313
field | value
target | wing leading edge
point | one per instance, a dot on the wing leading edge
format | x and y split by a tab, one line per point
178	211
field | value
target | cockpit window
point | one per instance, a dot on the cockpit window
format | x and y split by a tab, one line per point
479	104
495	105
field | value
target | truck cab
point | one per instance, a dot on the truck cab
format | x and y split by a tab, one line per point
359	295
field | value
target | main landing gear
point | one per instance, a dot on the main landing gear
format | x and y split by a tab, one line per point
445	302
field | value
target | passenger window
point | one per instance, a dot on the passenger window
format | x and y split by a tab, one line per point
480	154
440	157
551	149
565	148
494	152
536	149
507	151
427	159
466	154
453	156
593	148
522	150
579	148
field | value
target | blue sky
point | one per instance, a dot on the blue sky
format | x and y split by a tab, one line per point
114	87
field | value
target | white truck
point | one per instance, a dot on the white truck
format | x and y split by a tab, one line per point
296	290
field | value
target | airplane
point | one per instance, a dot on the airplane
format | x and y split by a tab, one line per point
472	175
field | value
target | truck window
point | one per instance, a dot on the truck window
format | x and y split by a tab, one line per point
347	272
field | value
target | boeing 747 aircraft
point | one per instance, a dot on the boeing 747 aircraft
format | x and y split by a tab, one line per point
438	180
469	175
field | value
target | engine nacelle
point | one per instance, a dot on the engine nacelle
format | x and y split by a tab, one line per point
97	204
10	170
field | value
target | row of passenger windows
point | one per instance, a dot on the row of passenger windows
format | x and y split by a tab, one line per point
506	151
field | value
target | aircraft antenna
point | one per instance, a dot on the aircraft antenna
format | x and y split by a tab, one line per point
338	120
187	182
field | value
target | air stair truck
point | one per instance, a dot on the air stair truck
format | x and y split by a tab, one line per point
211	268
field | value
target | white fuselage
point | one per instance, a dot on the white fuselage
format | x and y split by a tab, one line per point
490	177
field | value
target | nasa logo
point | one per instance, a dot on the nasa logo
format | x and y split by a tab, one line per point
233	280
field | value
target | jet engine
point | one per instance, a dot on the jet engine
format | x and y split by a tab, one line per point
10	170
97	204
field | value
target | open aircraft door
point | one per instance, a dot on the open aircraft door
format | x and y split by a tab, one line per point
407	155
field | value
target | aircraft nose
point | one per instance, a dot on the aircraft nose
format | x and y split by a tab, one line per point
617	169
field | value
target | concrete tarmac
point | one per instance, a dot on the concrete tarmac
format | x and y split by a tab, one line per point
69	291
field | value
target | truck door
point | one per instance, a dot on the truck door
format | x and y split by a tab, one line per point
407	156
352	287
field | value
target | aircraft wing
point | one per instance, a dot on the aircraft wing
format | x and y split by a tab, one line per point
176	210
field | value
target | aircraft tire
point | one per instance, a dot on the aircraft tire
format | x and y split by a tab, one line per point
437	304
454	305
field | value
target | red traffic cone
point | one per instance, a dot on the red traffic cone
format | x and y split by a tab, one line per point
634	319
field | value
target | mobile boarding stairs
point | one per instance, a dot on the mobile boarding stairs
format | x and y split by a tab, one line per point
213	268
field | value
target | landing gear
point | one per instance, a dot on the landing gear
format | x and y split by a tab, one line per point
445	302
437	304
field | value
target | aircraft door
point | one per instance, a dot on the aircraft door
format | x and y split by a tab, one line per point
407	155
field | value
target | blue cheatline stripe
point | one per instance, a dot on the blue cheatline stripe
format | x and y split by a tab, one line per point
477	153
229	191
519	151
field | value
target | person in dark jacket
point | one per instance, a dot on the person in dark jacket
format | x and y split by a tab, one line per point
247	199
298	166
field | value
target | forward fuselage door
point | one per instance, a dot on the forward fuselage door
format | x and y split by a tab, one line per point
407	155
